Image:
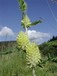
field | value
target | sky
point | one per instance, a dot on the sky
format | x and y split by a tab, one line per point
10	20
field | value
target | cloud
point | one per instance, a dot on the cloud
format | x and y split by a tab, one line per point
38	37
6	31
7	34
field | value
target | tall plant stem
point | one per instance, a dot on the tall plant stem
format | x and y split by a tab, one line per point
33	71
26	30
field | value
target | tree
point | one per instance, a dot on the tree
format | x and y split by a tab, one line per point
33	56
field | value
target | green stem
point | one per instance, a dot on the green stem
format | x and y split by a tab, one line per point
26	30
33	71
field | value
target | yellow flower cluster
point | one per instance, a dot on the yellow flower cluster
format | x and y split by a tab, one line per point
25	21
22	40
32	54
32	51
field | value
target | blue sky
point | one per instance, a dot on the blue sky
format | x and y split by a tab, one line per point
10	17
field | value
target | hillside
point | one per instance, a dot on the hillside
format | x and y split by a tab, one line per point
7	47
46	48
52	43
13	61
49	48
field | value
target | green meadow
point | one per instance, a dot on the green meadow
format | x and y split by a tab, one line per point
13	60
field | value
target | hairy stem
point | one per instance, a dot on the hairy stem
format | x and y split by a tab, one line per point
26	30
33	71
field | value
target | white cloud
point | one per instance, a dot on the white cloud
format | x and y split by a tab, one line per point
37	36
7	34
6	31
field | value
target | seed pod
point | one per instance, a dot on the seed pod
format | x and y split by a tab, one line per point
32	54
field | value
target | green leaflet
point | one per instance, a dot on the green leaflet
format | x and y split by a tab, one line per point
35	23
22	40
22	5
25	22
32	54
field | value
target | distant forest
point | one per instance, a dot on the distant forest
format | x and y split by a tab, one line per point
53	38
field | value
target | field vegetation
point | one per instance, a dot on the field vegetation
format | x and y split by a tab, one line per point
13	61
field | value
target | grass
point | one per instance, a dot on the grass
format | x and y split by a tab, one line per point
14	64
